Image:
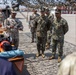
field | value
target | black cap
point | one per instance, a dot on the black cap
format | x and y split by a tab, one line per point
58	11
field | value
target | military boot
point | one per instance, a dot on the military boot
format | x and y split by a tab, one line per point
59	59
52	57
38	54
43	55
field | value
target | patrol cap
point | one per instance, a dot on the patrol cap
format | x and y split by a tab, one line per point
58	11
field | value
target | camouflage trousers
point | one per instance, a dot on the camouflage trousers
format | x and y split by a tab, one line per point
41	41
48	37
15	38
33	33
15	42
57	44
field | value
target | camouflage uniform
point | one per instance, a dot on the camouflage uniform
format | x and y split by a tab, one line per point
42	24
14	31
50	17
60	27
31	25
2	18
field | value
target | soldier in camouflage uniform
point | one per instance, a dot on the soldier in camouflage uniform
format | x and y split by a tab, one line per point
59	29
51	18
31	24
1	17
13	26
42	24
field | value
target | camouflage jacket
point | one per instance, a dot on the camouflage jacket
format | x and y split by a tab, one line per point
13	24
59	28
42	24
32	18
1	17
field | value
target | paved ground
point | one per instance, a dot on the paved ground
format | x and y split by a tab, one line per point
38	66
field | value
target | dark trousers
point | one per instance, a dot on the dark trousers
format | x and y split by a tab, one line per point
41	41
33	33
16	42
57	44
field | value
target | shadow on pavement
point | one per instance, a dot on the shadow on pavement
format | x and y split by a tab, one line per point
46	55
29	55
56	56
20	18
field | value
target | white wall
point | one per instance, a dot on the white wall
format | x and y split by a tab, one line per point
71	35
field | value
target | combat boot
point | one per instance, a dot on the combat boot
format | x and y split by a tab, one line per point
59	59
38	54
52	57
43	55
